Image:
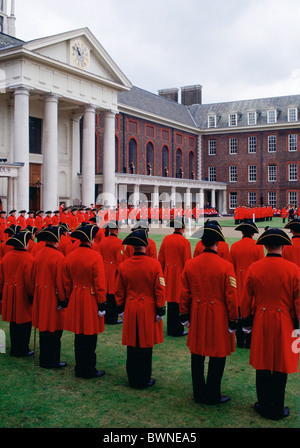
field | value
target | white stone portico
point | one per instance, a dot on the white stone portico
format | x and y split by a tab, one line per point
58	79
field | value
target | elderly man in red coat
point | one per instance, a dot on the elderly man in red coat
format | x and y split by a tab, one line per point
208	306
84	281
140	292
270	306
174	252
292	252
15	287
49	295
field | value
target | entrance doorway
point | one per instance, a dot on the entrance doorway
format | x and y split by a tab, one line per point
35	187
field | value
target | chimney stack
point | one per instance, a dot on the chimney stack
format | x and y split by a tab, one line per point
191	95
169	94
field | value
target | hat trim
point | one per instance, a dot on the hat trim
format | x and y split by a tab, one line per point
272	235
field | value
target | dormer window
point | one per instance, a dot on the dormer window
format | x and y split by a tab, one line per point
212	121
272	116
232	119
292	114
252	117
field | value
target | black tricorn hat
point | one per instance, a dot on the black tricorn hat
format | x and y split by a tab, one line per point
48	212
137	237
40	211
64	226
140	225
12	211
274	237
210	233
20	239
30	211
22	211
247	226
177	223
111	225
85	232
32	229
294	224
50	233
2	212
12	229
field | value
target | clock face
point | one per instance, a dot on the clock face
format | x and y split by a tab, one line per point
80	54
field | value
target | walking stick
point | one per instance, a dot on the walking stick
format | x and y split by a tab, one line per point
34	343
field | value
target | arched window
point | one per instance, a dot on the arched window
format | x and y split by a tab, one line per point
191	165
150	158
165	162
132	153
178	162
116	153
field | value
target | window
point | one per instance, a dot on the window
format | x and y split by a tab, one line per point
133	127
232	174
232	200
132	156
212	173
212	147
150	131
165	161
272	143
178	162
150	158
1	24
252	117
233	145
292	114
165	135
35	135
252	145
292	142
252	173
191	165
252	198
272	116
212	121
232	119
293	198
116	153
293	172
272	173
272	199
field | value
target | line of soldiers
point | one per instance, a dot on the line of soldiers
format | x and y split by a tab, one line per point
263	213
216	294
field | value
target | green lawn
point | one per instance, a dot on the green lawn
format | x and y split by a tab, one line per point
31	397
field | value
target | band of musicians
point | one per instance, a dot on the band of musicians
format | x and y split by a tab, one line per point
69	270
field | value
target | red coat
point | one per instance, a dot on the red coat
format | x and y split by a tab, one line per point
47	283
21	221
15	272
3	226
151	250
209	295
140	285
242	254
84	281
38	222
271	293
65	245
174	252
292	253
112	251
222	251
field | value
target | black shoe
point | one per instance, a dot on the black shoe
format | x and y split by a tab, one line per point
223	399
57	365
99	373
151	382
30	353
119	322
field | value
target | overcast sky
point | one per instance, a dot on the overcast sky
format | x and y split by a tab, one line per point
236	49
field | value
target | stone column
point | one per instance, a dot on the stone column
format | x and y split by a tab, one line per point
21	146
213	198
50	154
155	197
108	191
75	158
88	156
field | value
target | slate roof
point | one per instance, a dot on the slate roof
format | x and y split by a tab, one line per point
7	41
155	104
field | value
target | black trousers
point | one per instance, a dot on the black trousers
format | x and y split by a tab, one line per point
111	313
85	355
270	389
210	391
50	345
19	338
174	326
243	339
138	364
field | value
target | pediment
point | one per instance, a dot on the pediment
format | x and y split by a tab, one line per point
60	49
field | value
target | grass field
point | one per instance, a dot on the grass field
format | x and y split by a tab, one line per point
31	397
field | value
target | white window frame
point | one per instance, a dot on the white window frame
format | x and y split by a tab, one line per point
212	147
272	116
233	145
252	198
233	173
272	173
293	198
292	114
232	119
252	146
271	144
252	173
232	201
293	172
212	173
252	118
212	121
272	201
292	142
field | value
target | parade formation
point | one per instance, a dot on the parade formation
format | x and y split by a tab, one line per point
68	270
